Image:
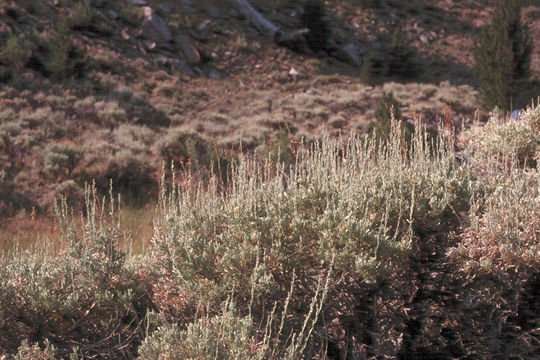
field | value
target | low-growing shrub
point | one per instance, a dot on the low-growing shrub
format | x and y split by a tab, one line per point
132	174
222	337
89	300
503	235
395	58
498	253
500	141
61	159
82	15
35	352
189	150
110	112
18	49
357	248
504	220
119	157
349	207
388	115
181	146
53	53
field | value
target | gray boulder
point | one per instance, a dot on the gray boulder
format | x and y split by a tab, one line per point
350	53
191	53
95	3
155	28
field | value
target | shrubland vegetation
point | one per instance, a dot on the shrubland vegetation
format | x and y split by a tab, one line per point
357	249
261	236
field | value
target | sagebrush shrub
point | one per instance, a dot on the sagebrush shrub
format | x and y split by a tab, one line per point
358	248
182	146
82	15
52	53
18	49
89	299
504	226
500	142
61	159
222	337
504	229
35	352
355	207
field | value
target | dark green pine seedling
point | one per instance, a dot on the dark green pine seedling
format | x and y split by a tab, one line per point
315	19
388	114
502	58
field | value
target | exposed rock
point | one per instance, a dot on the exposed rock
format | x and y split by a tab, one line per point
235	14
154	28
166	7
124	35
214	75
192	54
113	14
203	25
180	66
149	45
516	115
39	7
424	39
294	74
188	9
350	53
95	3
213	11
4	28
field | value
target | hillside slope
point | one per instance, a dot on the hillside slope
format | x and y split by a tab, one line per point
129	91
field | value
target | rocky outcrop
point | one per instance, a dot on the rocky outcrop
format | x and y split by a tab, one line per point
190	52
154	28
350	53
95	3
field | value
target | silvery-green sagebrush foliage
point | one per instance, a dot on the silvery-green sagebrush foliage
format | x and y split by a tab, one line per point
357	207
498	253
361	205
501	143
342	253
505	219
90	299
